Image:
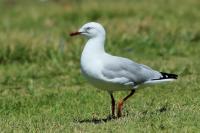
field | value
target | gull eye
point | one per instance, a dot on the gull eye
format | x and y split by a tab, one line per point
88	28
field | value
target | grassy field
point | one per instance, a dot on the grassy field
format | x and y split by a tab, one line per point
41	86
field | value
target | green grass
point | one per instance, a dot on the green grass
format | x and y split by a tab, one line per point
41	86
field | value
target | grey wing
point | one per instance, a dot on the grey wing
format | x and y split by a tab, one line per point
125	71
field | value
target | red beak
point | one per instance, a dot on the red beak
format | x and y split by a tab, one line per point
75	33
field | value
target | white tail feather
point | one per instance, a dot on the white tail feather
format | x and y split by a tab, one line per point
158	81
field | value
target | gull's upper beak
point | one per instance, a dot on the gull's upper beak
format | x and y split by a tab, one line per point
76	33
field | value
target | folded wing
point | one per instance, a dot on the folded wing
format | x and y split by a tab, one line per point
125	71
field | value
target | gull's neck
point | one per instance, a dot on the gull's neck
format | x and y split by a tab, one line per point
95	46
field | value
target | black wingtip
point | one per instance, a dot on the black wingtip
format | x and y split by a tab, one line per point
168	75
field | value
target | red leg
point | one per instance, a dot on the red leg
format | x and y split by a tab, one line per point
120	103
113	105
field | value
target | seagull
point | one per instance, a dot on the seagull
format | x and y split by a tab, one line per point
113	73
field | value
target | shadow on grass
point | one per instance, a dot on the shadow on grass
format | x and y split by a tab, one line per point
110	118
96	120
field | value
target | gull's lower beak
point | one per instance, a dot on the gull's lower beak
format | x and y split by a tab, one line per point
75	33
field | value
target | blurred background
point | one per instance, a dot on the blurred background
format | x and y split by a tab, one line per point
39	62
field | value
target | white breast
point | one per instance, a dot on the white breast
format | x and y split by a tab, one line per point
91	58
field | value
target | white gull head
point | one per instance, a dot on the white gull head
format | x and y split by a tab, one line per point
91	30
